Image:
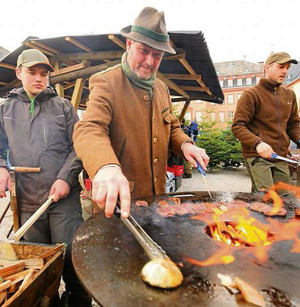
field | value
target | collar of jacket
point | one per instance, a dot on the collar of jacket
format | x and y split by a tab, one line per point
21	93
269	84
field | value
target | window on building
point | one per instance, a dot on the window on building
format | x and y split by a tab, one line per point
187	116
230	116
230	82
239	82
213	116
230	99
249	81
198	116
221	83
222	117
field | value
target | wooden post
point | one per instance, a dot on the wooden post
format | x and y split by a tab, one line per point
59	87
77	93
186	105
13	201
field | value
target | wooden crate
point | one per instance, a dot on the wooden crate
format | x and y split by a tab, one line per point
45	283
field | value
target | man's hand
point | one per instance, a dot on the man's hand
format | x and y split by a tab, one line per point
60	189
264	150
109	184
5	181
193	153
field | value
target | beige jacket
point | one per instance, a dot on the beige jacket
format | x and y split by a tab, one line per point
121	115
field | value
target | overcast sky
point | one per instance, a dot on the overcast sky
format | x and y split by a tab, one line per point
234	29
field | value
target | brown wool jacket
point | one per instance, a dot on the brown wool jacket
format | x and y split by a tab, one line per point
120	114
266	112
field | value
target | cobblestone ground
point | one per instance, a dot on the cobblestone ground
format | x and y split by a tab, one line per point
221	179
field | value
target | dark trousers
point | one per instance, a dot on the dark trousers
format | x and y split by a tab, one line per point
57	225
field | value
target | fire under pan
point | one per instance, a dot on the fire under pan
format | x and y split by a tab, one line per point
108	260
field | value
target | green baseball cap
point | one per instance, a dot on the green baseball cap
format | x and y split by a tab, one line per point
280	58
32	57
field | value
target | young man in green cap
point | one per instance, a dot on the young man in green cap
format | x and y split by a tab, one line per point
128	126
265	121
36	128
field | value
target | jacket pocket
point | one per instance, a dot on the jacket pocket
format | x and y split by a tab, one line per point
167	118
55	131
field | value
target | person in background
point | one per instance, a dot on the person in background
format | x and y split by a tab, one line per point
128	126
265	121
194	130
36	128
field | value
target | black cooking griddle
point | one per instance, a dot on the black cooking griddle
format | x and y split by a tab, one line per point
108	260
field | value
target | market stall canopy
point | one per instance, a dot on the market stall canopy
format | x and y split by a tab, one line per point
189	74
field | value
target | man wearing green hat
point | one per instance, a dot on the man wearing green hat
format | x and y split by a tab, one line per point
36	128
128	126
265	121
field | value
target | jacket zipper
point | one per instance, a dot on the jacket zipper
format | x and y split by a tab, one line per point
278	119
45	131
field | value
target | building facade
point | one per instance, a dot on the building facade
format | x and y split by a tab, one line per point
234	77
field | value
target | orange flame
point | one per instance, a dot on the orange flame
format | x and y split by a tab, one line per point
222	256
237	228
277	201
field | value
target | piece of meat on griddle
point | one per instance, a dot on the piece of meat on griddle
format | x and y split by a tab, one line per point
175	200
237	204
180	210
297	212
259	207
141	203
190	207
281	212
166	211
162	203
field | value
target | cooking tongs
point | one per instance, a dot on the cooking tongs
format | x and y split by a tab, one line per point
152	249
291	161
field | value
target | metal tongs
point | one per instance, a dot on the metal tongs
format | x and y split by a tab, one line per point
152	249
291	161
202	172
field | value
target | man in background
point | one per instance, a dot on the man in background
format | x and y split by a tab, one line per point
265	121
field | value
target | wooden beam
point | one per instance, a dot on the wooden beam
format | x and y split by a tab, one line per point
173	57
77	43
82	73
117	41
60	90
9	66
193	88
77	93
172	85
42	45
182	77
184	109
95	55
47	52
69	85
190	69
67	69
3	83
6	88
